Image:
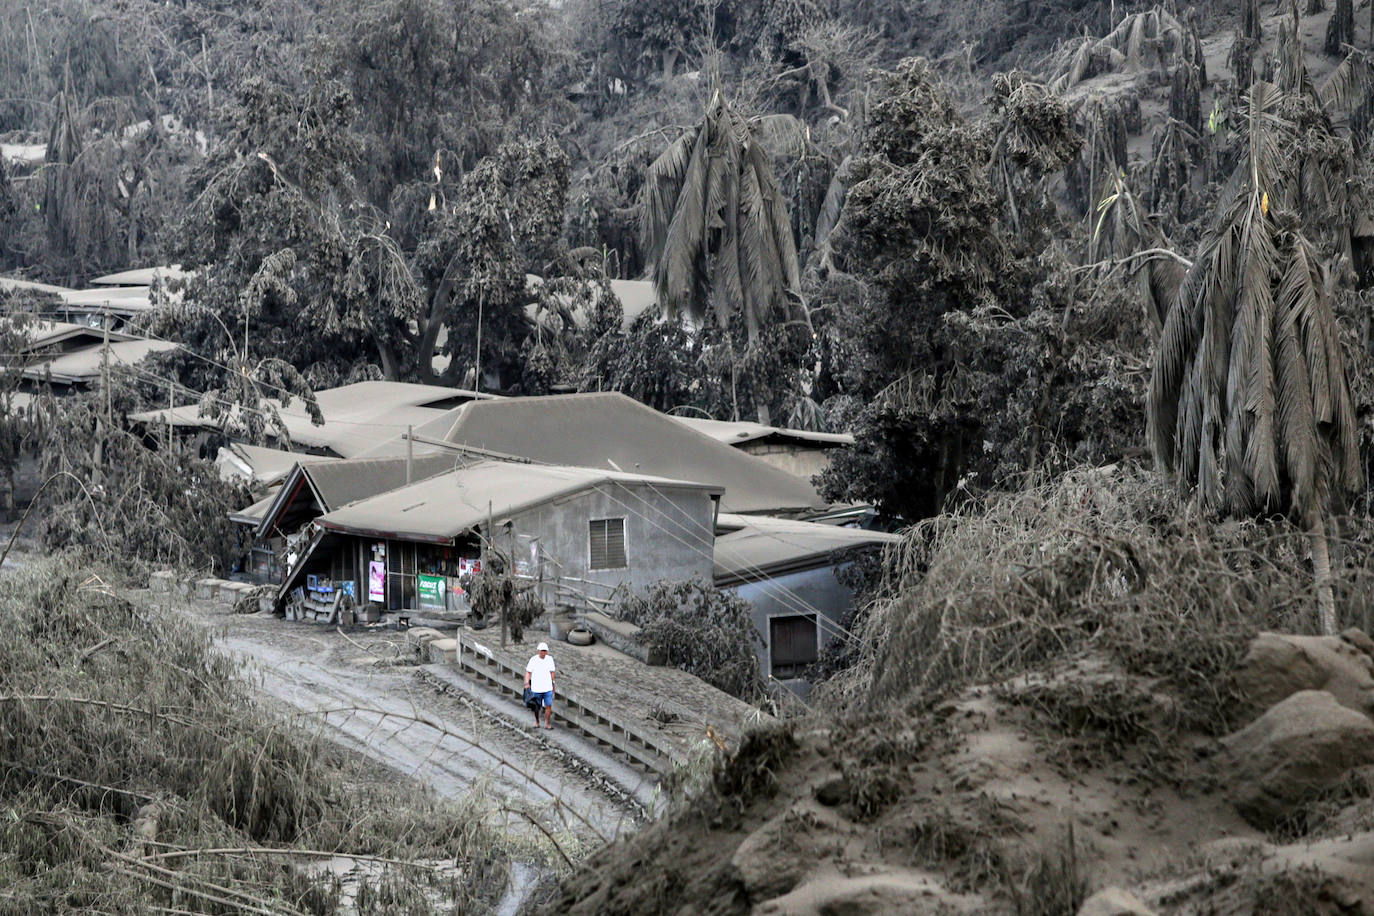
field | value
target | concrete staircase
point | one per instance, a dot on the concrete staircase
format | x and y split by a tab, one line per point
638	747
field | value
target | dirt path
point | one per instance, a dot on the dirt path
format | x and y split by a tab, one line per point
372	709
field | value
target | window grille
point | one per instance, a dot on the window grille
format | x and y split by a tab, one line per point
792	641
608	543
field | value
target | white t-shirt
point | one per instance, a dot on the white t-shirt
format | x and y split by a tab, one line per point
540	671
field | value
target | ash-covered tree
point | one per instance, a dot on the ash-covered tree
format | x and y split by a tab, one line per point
947	321
717	231
296	284
1249	401
701	630
438	83
643	35
505	221
110	497
19	422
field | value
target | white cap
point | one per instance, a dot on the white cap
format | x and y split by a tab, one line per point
543	647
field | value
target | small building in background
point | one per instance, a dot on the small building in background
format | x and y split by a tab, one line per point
797	451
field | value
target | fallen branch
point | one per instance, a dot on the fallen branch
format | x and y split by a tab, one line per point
249	902
96	648
104	704
277	851
1148	254
542	829
95	513
58	777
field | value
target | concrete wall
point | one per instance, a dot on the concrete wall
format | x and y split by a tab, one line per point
668	535
794	459
804	592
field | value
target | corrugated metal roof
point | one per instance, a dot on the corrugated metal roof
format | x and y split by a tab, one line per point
343	482
50	333
445	506
611	430
758	547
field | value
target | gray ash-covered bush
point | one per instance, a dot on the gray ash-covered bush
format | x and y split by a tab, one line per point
702	631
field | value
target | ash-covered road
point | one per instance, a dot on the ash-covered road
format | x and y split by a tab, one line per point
394	717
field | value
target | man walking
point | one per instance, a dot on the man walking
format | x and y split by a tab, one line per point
539	681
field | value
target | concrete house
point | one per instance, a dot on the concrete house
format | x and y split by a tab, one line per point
576	532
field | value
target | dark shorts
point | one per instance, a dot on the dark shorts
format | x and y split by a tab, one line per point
545	698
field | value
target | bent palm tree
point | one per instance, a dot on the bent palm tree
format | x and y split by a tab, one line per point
716	227
1249	401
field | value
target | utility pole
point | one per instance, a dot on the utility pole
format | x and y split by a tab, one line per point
410	451
105	365
477	358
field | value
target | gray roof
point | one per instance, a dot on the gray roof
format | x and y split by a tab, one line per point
337	483
141	276
254	514
266	466
610	430
757	547
738	433
85	365
8	284
357	417
343	482
51	333
447	505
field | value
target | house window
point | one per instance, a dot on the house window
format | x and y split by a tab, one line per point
792	642
607	537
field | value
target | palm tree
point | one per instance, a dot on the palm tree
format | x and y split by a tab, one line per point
1249	401
716	227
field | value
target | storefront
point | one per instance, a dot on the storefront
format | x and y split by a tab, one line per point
420	576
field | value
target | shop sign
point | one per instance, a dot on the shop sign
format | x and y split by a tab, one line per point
430	591
376	581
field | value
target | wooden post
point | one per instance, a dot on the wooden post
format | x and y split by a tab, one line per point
491	527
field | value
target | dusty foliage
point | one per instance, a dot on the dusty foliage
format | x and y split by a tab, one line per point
127	743
1094	560
700	630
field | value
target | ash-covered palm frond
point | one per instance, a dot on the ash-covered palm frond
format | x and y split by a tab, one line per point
1249	401
1351	83
715	224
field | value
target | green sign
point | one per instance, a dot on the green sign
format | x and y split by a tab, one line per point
430	590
